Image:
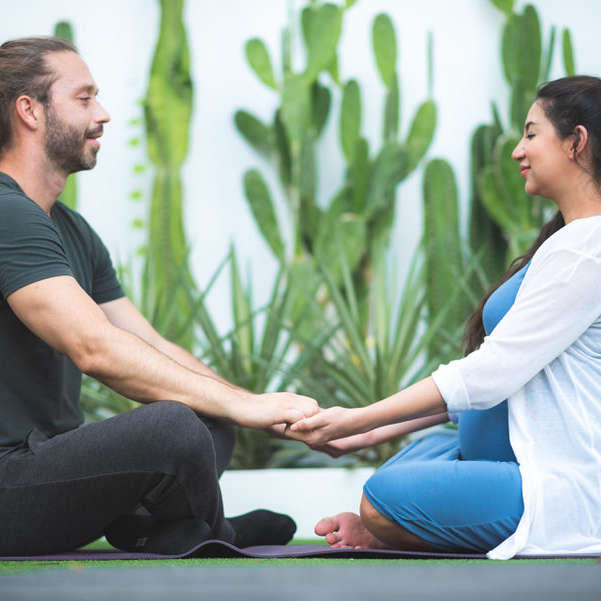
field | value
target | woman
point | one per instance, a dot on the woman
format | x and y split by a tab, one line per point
522	476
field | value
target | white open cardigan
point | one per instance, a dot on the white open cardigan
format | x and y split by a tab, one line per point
544	356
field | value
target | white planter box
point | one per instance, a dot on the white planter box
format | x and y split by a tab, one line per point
305	494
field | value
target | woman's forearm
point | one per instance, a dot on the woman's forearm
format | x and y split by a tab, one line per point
421	400
356	442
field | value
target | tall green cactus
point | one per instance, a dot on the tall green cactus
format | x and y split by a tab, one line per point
68	196
167	110
358	219
504	219
445	263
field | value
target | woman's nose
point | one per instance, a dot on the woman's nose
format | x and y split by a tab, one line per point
518	152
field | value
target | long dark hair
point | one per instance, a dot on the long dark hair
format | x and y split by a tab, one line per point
567	102
23	70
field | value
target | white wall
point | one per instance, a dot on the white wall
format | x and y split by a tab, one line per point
117	40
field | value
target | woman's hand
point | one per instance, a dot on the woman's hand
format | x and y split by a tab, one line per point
327	425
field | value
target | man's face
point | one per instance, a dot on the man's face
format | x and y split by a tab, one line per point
74	117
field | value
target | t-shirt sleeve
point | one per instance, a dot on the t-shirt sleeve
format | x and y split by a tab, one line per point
558	301
30	247
105	286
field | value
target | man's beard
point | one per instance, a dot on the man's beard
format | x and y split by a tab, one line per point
65	145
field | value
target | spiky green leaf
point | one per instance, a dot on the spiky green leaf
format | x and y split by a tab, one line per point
568	52
261	205
242	312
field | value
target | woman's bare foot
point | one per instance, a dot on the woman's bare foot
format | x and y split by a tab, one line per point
347	530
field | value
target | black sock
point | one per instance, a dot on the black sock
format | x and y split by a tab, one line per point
146	534
262	527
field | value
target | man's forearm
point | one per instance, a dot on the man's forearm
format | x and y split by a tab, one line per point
183	357
141	372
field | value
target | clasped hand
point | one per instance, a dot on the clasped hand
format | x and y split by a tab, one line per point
325	426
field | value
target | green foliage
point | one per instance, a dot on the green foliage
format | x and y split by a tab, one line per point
350	118
261	204
505	5
64	30
255	353
167	111
385	50
321	25
258	58
359	366
568	52
360	215
255	132
445	264
504	220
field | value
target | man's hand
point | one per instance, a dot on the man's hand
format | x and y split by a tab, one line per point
266	410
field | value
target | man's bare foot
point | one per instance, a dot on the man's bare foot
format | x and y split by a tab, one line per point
347	530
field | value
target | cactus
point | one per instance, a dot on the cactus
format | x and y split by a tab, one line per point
504	220
445	264
358	219
68	196
167	111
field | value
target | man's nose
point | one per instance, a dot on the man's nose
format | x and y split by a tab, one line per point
102	114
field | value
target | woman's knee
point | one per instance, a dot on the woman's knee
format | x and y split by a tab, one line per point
370	516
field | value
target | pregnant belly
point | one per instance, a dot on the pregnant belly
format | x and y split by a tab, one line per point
484	435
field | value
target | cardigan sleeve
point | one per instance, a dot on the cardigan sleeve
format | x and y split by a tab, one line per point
558	301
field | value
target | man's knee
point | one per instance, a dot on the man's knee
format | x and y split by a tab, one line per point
177	434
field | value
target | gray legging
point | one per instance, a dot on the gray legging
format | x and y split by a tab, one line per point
59	493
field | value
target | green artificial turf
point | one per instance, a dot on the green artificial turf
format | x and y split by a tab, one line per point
15	567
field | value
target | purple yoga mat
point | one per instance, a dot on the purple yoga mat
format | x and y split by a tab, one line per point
216	548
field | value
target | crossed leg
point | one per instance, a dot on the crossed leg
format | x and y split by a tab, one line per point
427	499
370	530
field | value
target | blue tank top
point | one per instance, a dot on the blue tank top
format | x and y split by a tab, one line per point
485	434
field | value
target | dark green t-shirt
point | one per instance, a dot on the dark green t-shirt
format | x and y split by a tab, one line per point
39	387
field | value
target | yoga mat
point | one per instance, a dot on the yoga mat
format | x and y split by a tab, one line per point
216	548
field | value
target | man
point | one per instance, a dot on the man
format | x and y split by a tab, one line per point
148	478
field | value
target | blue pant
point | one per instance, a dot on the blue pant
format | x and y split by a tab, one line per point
450	503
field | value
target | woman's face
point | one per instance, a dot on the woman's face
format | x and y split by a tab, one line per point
543	157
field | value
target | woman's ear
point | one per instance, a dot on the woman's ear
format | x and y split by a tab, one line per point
580	138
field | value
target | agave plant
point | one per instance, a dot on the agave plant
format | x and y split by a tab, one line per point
258	353
358	369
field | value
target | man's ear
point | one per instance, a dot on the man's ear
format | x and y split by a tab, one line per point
29	112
